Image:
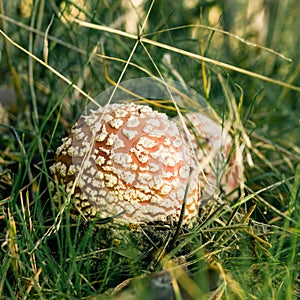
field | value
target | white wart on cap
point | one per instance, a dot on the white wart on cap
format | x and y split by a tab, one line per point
128	161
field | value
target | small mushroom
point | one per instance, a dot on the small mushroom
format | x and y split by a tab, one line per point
129	163
213	147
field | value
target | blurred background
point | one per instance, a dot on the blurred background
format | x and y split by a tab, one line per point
266	26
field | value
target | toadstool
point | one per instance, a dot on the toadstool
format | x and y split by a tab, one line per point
128	162
213	147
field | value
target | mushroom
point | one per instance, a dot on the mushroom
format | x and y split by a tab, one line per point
129	163
213	147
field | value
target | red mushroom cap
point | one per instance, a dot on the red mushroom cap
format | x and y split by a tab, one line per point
213	147
128	161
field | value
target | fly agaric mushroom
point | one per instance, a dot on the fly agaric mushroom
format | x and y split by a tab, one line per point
128	162
213	147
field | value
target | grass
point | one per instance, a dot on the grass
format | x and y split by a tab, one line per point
242	58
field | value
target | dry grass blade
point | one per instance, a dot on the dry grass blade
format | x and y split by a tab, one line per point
48	67
223	32
189	54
